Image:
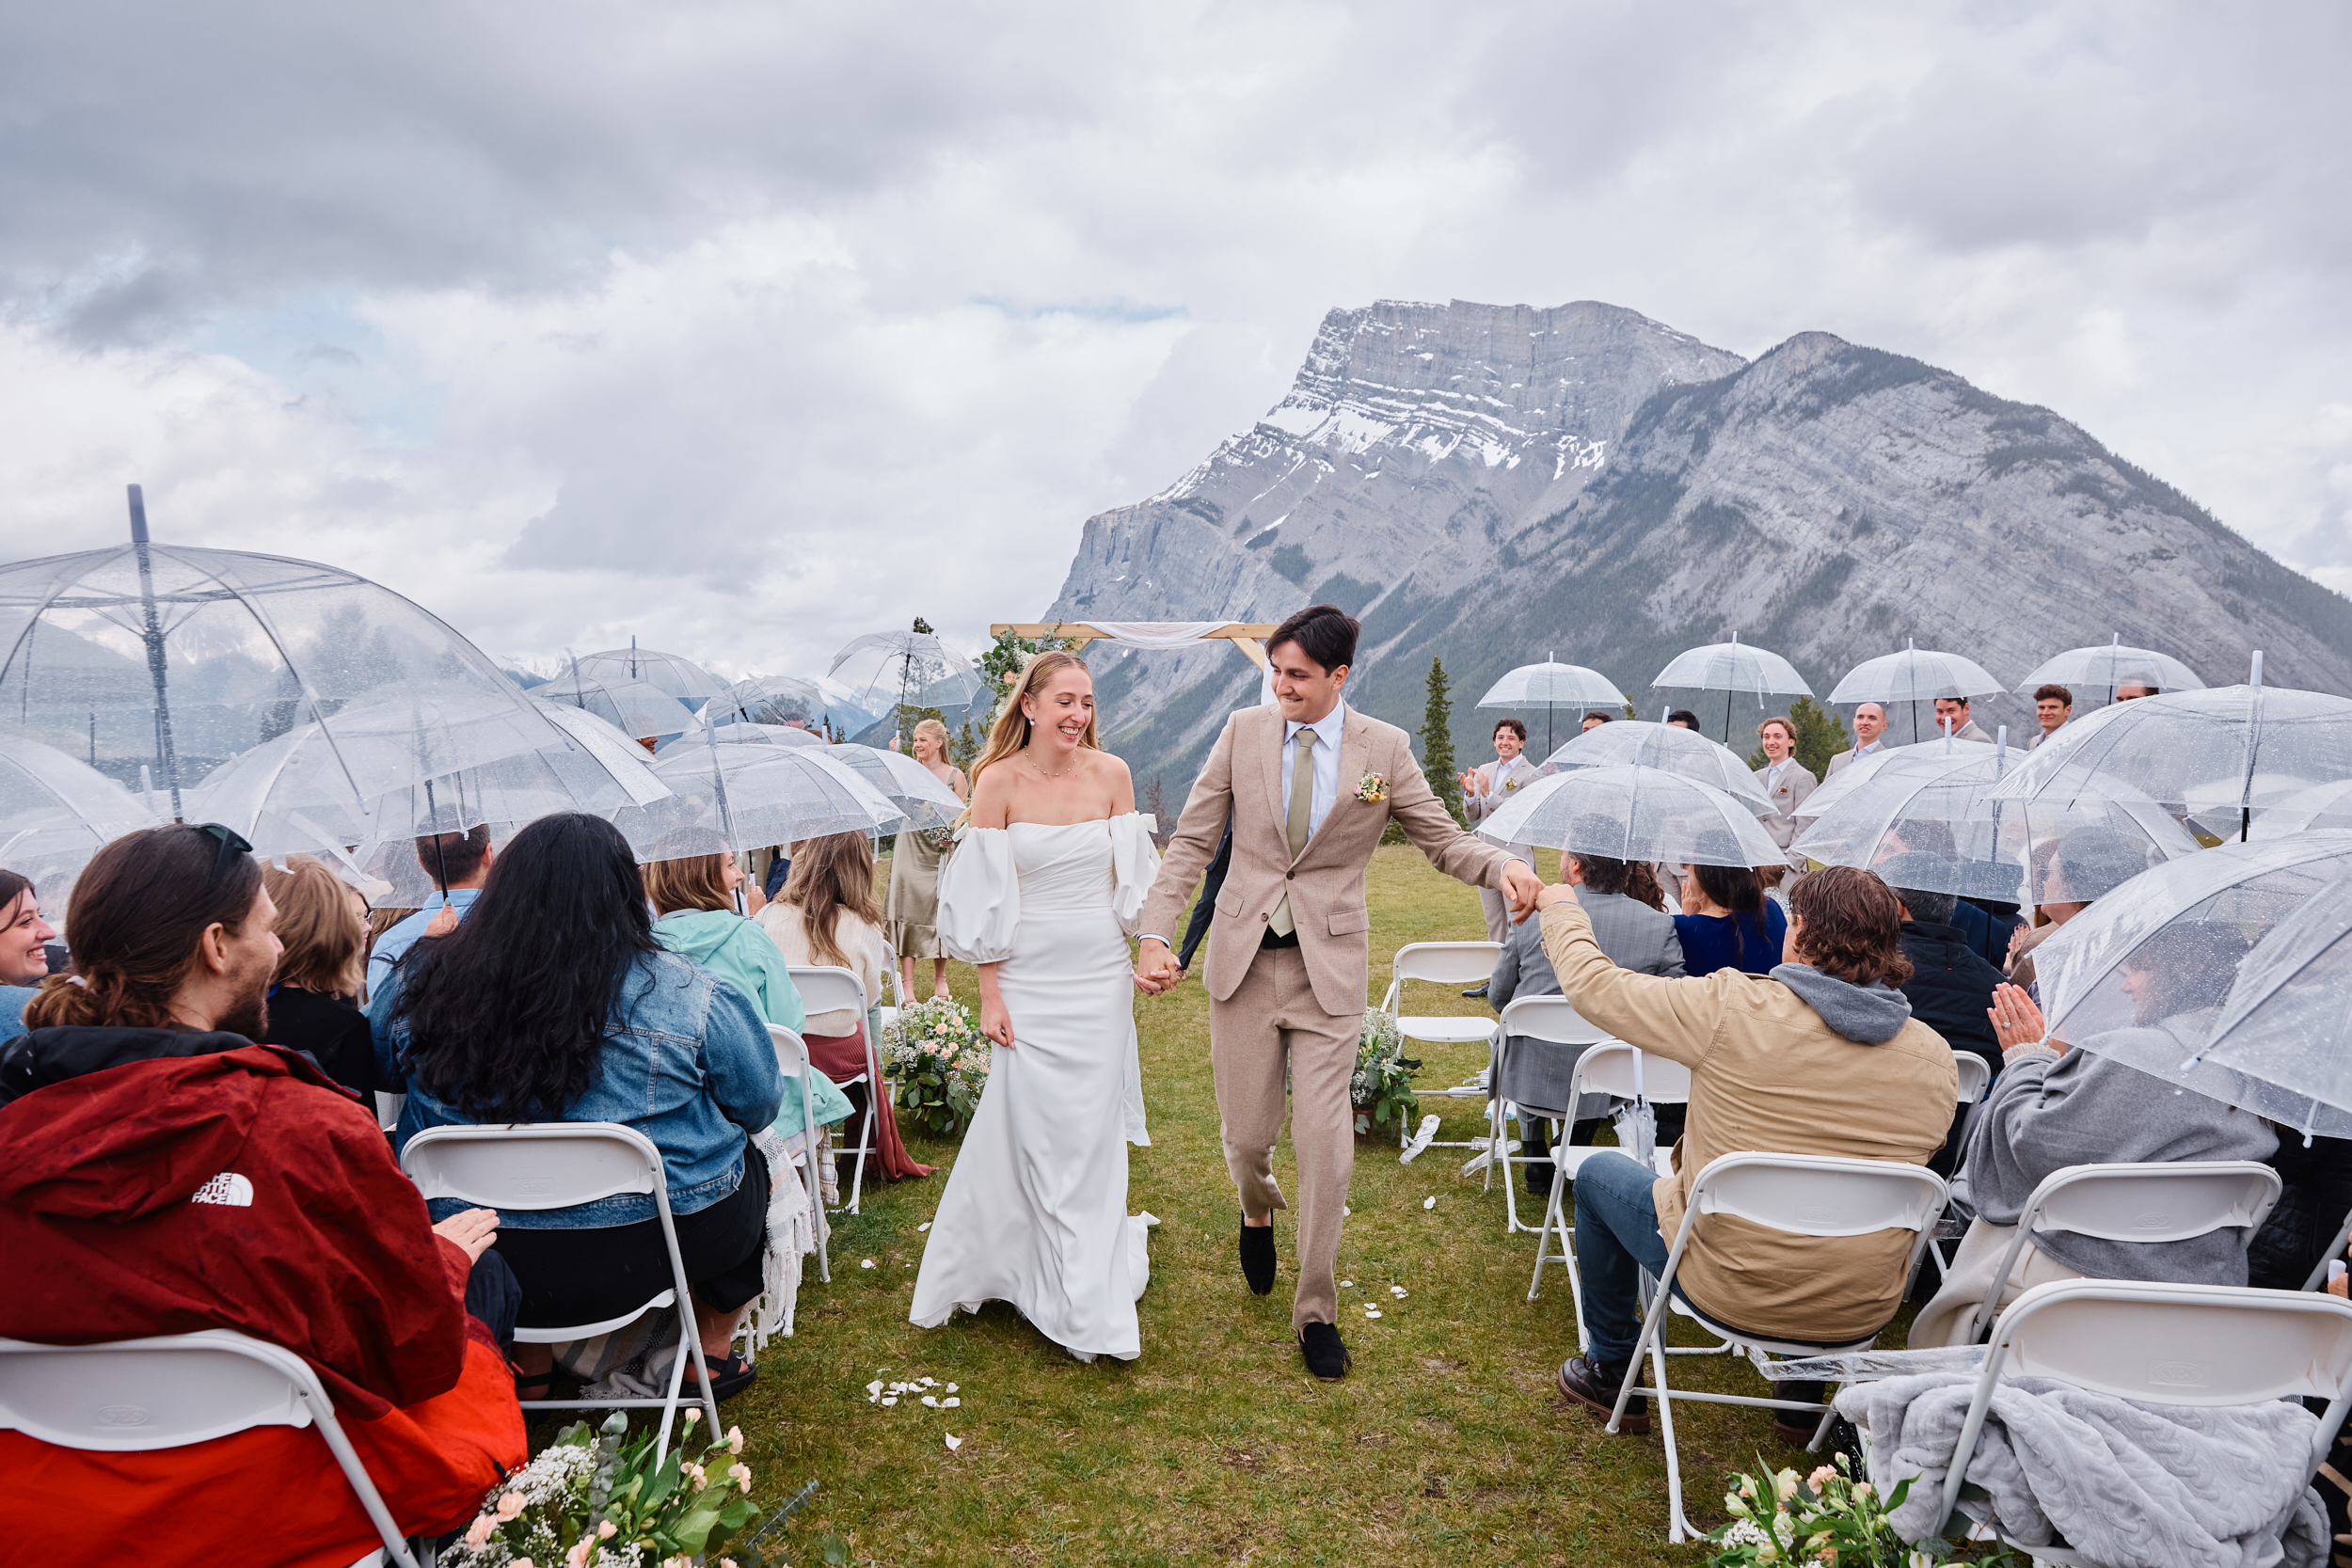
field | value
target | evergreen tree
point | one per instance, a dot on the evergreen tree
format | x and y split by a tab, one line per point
1820	737
1437	742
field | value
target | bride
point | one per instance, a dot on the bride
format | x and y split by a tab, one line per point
1039	894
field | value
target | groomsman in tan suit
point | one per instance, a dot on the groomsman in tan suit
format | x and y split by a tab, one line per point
1310	786
1787	781
1869	736
1486	789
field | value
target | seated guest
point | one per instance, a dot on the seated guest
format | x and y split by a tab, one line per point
1636	935
321	926
1950	989
830	916
162	1174
1727	923
2055	1107
1823	1057
554	1002
24	938
458	863
2087	863
693	903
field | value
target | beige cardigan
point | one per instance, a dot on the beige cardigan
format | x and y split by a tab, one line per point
861	940
1766	1075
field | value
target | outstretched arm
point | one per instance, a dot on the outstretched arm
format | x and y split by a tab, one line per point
1417	809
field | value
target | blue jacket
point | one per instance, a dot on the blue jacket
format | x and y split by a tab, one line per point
687	1062
13	1001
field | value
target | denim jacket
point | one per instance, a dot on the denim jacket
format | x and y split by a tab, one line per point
687	1062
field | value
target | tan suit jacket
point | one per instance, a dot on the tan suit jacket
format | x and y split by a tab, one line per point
1838	762
1796	783
1326	884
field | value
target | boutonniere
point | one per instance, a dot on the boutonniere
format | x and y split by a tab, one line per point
1371	789
1510	785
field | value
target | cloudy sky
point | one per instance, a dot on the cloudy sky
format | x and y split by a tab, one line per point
746	328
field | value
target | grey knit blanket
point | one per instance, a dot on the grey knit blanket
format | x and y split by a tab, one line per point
2128	1485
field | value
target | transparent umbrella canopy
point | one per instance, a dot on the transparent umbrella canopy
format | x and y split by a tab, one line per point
1935	809
905	783
178	659
1914	676
2297	811
2112	666
737	798
1554	687
1735	669
672	675
887	670
1635	813
773	700
2199	750
740	734
1669	747
2281	1036
55	812
638	709
2146	975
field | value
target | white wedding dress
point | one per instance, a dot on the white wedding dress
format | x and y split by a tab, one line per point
1036	1207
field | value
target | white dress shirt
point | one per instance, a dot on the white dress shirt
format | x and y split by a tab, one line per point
1326	763
1773	773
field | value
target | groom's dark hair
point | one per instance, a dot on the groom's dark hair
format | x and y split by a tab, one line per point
1324	632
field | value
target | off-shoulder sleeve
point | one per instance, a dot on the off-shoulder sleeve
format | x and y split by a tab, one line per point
979	897
1135	866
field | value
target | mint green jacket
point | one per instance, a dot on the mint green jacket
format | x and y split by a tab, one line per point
739	952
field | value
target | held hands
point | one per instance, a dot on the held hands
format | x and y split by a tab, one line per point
2016	1021
473	1229
1155	968
1522	887
1558	892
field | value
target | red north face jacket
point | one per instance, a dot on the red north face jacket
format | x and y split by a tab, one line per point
235	1189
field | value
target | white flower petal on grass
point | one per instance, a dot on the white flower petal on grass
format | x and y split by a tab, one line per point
1346	1210
875	1387
1371	1311
890	1398
1429	1202
931	1400
951	1388
869	1262
949	1403
1347	1284
1397	1290
954	1442
920	1229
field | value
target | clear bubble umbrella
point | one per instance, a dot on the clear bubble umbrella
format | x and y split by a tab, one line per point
1914	676
178	659
2200	751
2198	971
55	812
890	671
1552	686
638	709
781	701
1636	813
1735	669
743	735
1936	810
672	675
2298	811
2112	666
1669	747
905	783
740	797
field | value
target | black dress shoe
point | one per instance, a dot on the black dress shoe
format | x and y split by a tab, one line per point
1794	1427
1478	990
1326	1358
1257	1258
1594	1386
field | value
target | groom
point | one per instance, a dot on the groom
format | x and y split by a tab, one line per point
1310	789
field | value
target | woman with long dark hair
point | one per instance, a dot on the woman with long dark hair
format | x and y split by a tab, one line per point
1727	923
554	1003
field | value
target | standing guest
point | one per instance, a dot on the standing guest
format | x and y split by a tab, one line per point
1595	717
1870	736
912	913
1787	781
829	916
1727	923
1683	718
694	906
1486	788
24	938
1952	718
159	1173
314	994
554	1002
2053	706
2137	687
459	865
1951	985
1622	902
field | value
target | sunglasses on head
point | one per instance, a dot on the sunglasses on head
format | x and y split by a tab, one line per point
232	843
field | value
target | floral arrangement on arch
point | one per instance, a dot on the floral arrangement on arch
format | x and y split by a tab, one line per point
1382	1083
602	1500
937	1059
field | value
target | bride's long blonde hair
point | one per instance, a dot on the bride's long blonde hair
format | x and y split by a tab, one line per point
1010	732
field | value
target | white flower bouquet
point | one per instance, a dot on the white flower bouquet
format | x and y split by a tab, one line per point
593	1500
937	1061
1382	1083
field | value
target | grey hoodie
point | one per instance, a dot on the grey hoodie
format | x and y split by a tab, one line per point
1867	1015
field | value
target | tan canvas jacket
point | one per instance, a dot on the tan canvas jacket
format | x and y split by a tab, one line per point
1244	775
1766	1075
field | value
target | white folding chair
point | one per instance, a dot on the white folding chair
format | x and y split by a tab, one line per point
556	1164
792	1061
1555	1021
829	989
1643	1079
1446	963
2203	1345
886	1013
1800	1195
2148	1203
137	1395
1976	1076
388	1109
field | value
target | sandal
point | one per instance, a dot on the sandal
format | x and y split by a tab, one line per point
728	1378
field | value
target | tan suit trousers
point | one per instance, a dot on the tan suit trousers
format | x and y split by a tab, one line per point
1270	1022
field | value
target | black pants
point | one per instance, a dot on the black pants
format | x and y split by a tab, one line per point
585	1277
492	1295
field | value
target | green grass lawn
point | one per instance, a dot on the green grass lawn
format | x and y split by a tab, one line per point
1447	1444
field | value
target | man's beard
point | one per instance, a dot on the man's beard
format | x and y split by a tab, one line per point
249	1017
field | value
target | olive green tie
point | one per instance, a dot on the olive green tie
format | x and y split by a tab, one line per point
1301	813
